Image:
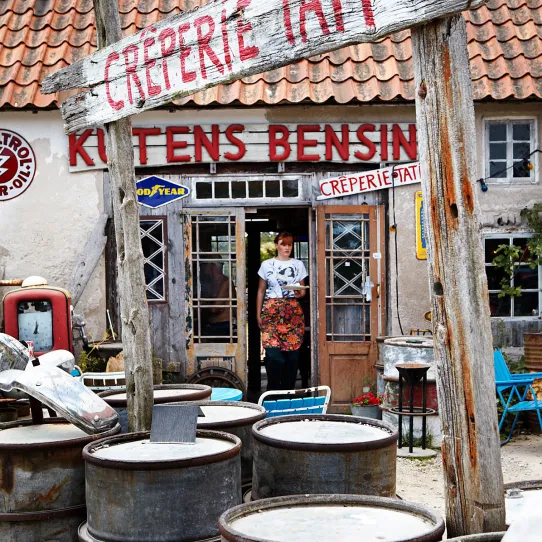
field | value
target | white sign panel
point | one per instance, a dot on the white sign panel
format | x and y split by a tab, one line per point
369	181
221	42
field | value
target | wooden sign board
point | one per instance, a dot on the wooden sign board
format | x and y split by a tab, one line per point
221	42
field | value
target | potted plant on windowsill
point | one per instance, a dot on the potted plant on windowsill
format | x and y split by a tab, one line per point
366	406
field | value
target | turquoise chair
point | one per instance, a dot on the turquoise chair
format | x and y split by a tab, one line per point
296	405
512	390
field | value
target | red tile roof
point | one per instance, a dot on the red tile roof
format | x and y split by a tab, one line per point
38	37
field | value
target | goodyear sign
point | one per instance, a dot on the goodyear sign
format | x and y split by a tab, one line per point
155	192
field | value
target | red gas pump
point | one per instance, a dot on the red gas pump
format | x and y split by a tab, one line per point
40	314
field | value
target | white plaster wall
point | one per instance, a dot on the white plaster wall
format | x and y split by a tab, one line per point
43	231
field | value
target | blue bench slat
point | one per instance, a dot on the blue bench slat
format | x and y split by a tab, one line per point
283	404
270	405
308	401
525	405
296	403
320	400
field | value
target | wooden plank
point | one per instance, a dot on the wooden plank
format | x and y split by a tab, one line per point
461	320
221	42
89	258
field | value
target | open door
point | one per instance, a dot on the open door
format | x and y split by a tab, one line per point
350	282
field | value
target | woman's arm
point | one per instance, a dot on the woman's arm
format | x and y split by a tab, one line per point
300	293
262	286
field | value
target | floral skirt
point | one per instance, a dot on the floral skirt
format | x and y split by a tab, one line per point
283	324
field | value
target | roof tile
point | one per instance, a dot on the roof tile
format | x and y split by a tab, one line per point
38	37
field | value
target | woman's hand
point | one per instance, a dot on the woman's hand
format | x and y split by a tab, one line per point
259	321
299	293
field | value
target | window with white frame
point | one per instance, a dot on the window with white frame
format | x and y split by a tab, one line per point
527	278
262	188
509	149
153	243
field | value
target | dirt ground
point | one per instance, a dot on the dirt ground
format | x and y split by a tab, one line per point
421	481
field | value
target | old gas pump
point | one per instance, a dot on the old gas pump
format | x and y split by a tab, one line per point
40	314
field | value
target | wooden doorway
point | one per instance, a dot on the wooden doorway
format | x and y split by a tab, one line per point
351	279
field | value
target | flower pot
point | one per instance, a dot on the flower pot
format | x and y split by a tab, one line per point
366	411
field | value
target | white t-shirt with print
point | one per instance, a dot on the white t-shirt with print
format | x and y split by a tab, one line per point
279	273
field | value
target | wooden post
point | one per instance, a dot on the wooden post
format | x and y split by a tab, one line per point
133	303
461	318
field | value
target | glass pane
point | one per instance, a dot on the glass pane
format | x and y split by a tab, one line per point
497	151
347	236
151	296
348	277
272	189
499	306
151	273
497	170
523	242
526	304
494	277
149	246
368	319
521	170
212	238
497	132
491	245
204	190
158	259
222	190
290	189
255	189
521	132
521	151
526	277
347	320
157	287
238	189
366	234
146	225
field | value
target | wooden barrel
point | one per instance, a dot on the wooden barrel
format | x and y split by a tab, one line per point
532	343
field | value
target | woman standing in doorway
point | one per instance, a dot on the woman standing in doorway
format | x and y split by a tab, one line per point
280	319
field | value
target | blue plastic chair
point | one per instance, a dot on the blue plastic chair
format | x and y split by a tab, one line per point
297	405
516	386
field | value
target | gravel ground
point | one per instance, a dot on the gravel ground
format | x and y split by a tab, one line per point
421	481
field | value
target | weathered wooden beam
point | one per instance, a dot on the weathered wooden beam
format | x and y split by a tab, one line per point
223	41
136	338
461	318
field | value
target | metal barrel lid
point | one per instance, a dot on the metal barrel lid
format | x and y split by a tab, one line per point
226	414
343	518
52	433
522	497
164	393
325	432
410	341
134	451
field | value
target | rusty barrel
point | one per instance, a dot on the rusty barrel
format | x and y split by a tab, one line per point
164	393
142	491
42	489
236	418
330	518
326	453
522	497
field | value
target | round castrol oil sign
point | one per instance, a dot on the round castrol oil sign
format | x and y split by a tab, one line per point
17	165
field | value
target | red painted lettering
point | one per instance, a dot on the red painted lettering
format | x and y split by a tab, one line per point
201	140
368	13
311	5
335	186
230	130
3	190
187	77
168	34
370	181
332	140
399	140
171	144
353	182
142	134
131	68
322	189
243	26
302	143
406	175
226	40
288	22
113	57
371	147
15	143
203	44
338	9
101	146
274	142
76	147
384	142
152	88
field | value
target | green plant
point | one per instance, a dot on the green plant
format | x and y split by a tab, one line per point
509	256
89	363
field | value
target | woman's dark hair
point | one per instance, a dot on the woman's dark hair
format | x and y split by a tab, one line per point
283	235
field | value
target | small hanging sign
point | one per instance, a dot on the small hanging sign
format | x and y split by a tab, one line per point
421	244
369	181
156	192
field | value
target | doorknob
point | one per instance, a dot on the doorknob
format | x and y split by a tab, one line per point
378	290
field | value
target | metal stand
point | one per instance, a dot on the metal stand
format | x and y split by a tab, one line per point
412	373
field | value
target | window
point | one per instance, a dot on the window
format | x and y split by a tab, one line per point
155	255
530	280
262	188
509	144
214	277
